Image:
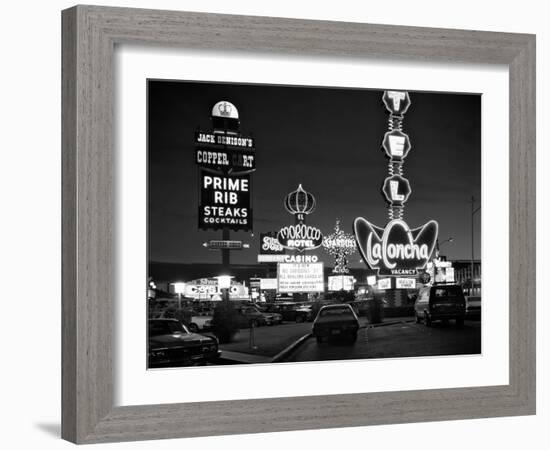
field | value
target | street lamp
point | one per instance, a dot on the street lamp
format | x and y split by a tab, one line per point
474	211
179	288
224	284
438	245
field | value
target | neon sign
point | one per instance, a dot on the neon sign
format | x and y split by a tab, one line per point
396	144
396	102
340	245
300	236
225	202
396	189
396	249
269	244
225	159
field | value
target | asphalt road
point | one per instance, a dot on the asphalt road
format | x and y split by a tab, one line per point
404	339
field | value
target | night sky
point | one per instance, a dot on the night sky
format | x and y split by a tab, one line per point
329	140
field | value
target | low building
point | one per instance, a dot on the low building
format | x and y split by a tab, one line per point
470	282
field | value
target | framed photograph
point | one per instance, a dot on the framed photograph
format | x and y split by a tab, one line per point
276	224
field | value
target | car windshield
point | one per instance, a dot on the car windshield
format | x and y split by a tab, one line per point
335	311
160	327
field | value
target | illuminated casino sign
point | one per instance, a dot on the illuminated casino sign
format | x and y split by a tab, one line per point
396	249
208	289
300	236
271	251
269	245
340	245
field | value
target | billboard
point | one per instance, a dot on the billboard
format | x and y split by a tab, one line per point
341	283
268	284
300	277
405	283
384	283
224	202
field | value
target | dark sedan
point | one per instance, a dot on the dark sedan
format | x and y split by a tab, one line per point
334	321
171	344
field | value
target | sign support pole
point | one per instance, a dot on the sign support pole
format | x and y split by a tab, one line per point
226	251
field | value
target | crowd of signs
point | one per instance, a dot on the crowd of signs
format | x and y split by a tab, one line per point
227	159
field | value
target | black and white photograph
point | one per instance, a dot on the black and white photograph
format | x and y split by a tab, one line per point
296	223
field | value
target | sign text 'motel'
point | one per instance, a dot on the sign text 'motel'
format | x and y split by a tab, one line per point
300	236
225	202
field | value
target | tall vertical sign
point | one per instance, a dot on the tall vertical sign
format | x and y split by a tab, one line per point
226	159
396	249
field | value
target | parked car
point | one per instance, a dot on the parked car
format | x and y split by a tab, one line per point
199	323
250	316
304	313
440	302
171	344
337	320
473	307
272	318
290	311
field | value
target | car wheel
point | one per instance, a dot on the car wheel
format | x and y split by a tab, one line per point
193	328
299	319
319	339
353	338
459	323
427	320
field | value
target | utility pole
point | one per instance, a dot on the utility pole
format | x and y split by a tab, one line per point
474	210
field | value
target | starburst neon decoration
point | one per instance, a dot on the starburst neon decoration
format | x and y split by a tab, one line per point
340	245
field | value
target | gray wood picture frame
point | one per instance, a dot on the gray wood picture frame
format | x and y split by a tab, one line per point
90	34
